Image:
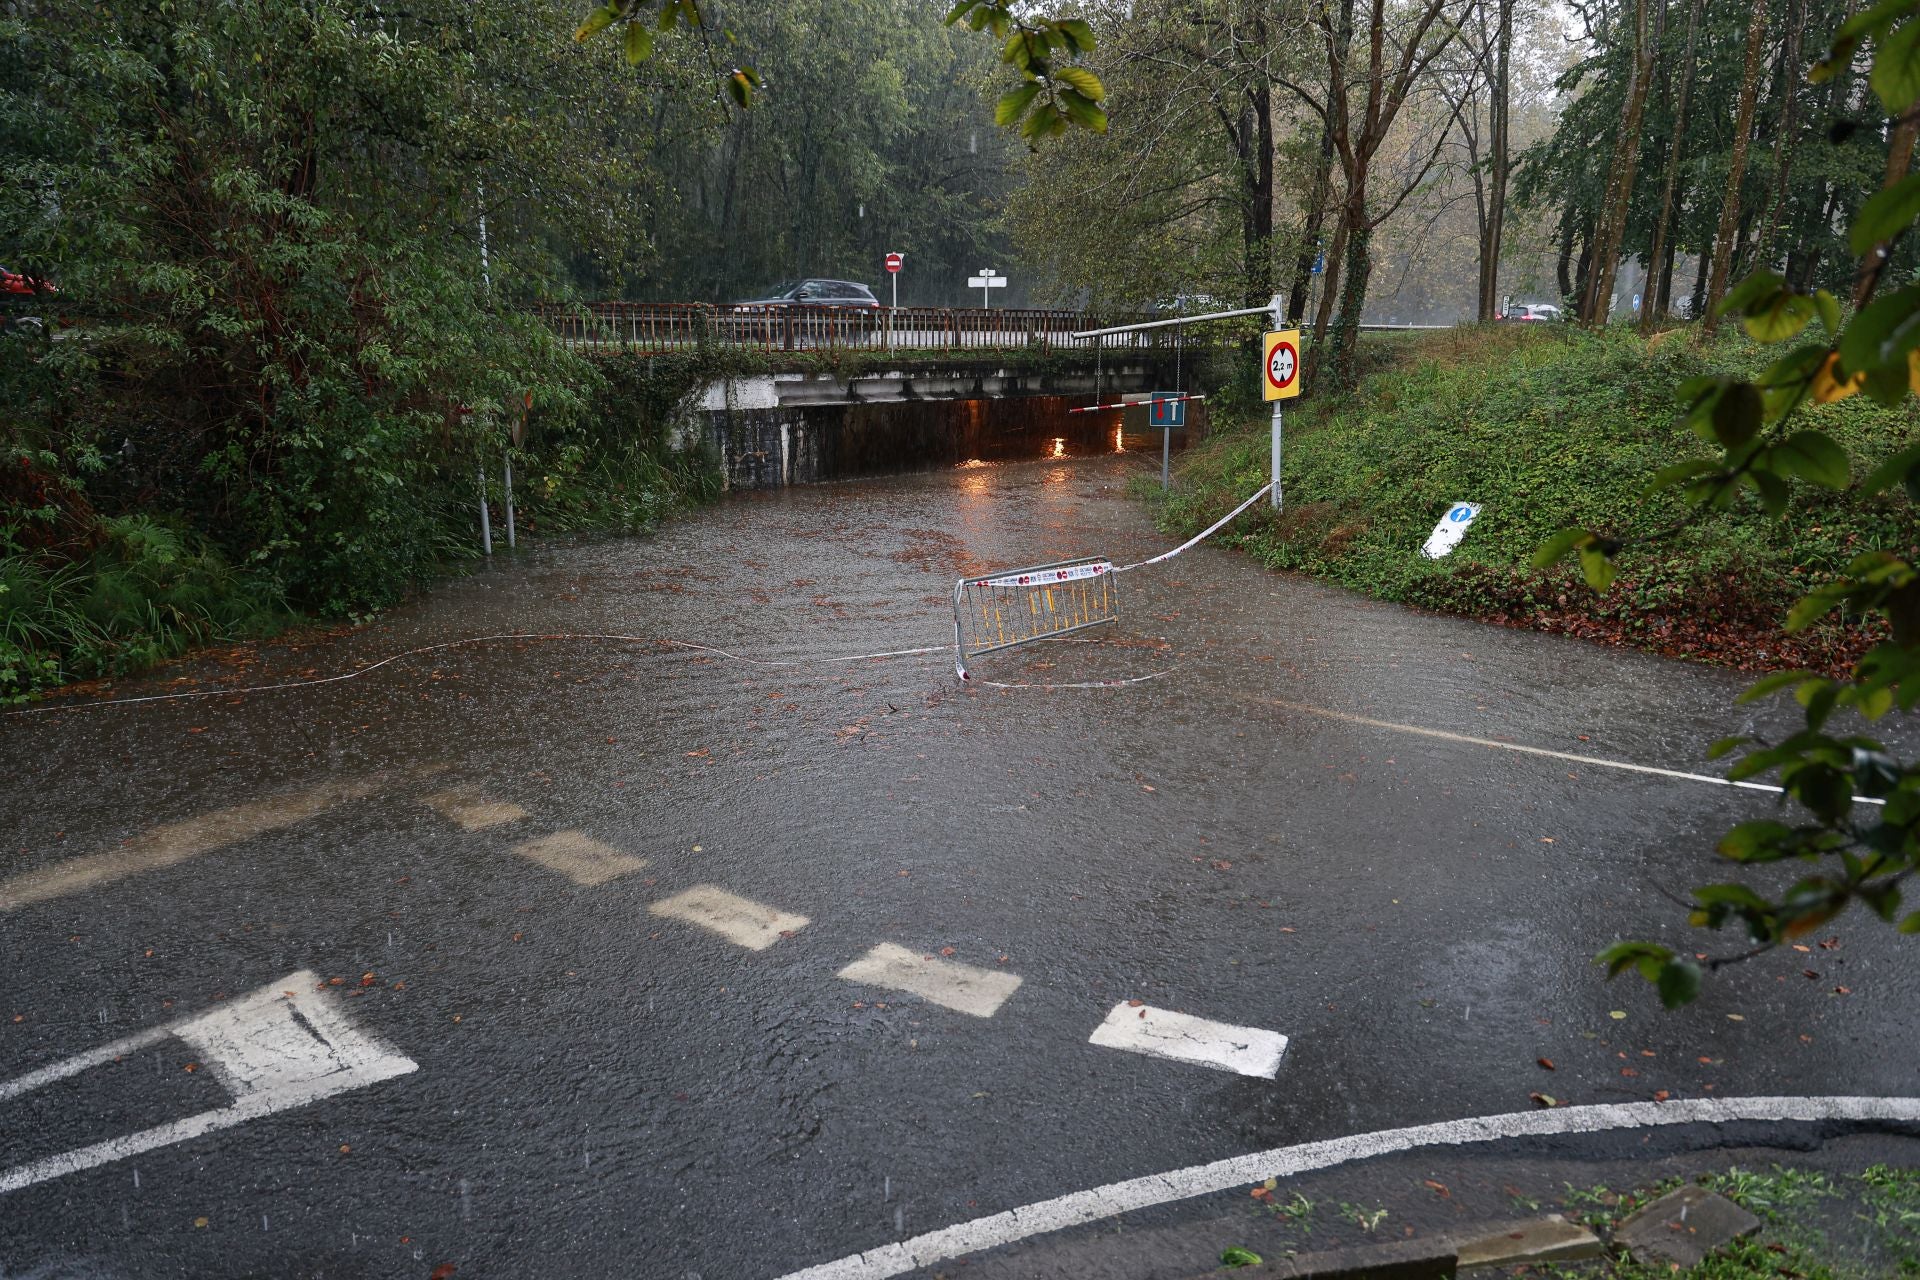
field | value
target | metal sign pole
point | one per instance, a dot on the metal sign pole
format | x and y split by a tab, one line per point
1276	453
511	543
486	524
1279	318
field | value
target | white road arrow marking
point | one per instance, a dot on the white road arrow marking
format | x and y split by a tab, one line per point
277	1048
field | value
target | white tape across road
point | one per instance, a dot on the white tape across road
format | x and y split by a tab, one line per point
1083	1207
1596	761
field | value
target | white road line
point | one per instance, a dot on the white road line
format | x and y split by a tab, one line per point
1162	1033
1222	1175
1596	761
471	810
959	987
81	1061
279	1047
176	842
579	857
751	924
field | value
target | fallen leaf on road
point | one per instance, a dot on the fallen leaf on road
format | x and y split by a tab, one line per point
445	1270
946	951
1544	1099
345	1149
200	1222
193	1066
1843	991
1439	1188
1736	1017
1661	1095
1135	1004
1617	1014
1547	1063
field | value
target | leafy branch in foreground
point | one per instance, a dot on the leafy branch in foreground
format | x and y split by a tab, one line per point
1861	827
1052	95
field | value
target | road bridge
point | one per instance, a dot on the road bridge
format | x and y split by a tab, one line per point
841	391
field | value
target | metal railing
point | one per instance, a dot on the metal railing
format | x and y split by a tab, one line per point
659	328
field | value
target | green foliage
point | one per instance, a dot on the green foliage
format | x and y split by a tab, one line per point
1753	424
283	340
1507	416
149	592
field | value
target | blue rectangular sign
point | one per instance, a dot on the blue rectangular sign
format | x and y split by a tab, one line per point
1169	409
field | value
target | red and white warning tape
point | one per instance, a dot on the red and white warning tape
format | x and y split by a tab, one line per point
1134	404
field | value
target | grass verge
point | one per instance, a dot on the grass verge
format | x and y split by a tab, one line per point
1548	428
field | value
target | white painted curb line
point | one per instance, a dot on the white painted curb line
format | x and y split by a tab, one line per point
1198	1180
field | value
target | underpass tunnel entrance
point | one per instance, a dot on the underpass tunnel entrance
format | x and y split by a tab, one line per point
807	444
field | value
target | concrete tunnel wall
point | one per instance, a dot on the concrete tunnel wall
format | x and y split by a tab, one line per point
786	429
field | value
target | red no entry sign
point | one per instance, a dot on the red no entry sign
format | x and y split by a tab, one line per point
893	262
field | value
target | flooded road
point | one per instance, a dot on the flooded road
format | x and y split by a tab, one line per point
616	957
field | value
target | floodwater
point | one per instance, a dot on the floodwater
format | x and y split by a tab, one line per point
603	1089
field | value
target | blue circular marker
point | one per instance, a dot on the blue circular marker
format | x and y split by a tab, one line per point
1460	513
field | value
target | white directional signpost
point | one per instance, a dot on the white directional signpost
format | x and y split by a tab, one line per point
987	279
1452	527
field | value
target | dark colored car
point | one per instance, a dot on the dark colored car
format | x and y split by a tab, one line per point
815	293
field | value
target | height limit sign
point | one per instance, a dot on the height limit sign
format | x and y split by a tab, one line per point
1281	365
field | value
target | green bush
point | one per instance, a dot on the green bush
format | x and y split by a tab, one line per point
1545	428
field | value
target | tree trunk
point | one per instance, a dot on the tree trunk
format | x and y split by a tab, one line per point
1563	265
1498	99
1345	340
1899	160
1655	303
1329	290
1790	78
1302	283
1697	300
1737	167
1598	298
1583	266
1259	231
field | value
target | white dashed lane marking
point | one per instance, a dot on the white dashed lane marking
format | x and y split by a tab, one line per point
579	857
176	842
471	810
751	924
1161	1033
960	987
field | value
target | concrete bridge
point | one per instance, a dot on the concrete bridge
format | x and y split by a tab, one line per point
842	391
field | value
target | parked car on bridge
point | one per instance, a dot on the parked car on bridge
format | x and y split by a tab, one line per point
1531	312
815	293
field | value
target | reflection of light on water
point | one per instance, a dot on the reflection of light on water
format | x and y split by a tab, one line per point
976	483
1059	447
973	464
1058	475
1119	443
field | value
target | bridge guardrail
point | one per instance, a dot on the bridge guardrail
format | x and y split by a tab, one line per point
658	328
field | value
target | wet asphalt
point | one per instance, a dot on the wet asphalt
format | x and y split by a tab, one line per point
603	1092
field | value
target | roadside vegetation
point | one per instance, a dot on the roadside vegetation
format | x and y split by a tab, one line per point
1549	427
1814	1225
